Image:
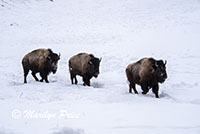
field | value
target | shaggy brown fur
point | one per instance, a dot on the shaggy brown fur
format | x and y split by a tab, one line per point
40	60
147	73
80	64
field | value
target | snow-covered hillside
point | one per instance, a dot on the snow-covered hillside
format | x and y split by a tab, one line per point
119	31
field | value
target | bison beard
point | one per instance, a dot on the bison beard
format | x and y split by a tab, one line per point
147	73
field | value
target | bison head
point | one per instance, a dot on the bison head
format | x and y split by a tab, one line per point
159	71
94	66
53	61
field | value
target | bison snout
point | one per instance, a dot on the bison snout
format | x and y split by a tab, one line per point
164	75
96	75
54	71
54	68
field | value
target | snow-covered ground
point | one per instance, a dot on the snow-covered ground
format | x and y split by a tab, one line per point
119	31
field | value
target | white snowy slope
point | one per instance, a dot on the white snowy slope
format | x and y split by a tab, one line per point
119	31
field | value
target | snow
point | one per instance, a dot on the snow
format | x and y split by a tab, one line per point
119	31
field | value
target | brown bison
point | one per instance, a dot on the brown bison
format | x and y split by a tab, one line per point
147	73
85	65
43	61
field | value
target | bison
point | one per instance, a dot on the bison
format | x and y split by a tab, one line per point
147	73
85	65
43	61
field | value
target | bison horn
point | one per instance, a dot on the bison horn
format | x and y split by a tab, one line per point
156	64
90	62
59	54
49	57
100	59
165	62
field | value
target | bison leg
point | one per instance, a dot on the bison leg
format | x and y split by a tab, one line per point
145	89
42	80
72	79
44	77
34	76
25	74
130	88
73	76
132	85
86	81
155	90
75	79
